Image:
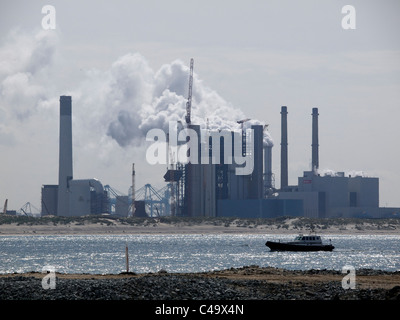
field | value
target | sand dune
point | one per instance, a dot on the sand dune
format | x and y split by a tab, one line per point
171	225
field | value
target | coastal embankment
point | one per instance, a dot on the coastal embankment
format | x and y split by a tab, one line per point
246	283
106	224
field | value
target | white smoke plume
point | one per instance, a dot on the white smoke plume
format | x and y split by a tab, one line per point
150	100
135	99
333	173
24	62
123	102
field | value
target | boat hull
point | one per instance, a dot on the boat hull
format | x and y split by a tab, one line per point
283	246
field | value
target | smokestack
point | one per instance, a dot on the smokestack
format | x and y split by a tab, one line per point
284	148
257	174
314	145
65	155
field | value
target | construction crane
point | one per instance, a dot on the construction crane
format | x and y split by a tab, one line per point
242	121
189	101
5	207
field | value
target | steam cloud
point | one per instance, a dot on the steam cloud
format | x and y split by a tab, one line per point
147	99
122	103
24	62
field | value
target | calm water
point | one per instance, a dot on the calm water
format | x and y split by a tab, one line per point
189	253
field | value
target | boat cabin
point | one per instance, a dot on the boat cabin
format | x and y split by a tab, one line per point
308	238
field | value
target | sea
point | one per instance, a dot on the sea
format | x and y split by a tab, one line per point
106	254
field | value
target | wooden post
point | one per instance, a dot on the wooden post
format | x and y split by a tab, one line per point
127	257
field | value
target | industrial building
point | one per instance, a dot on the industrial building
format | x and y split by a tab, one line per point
228	173
79	197
330	195
211	185
71	197
214	188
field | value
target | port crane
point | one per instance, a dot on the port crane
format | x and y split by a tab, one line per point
189	101
29	209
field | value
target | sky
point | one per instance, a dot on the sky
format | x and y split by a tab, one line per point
126	66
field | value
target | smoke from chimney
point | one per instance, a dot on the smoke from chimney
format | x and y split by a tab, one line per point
131	98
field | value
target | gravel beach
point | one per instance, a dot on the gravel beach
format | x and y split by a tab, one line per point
246	283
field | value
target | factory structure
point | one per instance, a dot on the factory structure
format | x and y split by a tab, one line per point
71	197
216	189
213	187
330	195
228	174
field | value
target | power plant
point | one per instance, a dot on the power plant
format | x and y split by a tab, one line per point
71	197
331	195
222	173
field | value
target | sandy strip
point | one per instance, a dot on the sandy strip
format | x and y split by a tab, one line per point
166	228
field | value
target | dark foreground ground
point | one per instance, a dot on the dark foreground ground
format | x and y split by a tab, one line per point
247	283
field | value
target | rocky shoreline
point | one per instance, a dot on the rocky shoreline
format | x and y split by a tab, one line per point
246	283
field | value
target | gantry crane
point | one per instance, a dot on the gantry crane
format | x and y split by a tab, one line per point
26	209
189	102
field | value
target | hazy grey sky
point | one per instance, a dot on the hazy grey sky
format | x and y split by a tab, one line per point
125	63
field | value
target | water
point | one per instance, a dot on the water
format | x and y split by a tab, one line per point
103	254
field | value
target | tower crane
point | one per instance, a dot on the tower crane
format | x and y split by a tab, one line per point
242	121
189	101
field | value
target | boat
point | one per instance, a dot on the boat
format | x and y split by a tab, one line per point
301	243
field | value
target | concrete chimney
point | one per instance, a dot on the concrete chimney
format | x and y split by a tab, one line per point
65	156
284	148
314	145
256	185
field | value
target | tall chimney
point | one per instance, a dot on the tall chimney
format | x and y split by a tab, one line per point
256	185
65	155
314	145
284	148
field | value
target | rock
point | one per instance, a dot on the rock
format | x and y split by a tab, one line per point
394	293
205	286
